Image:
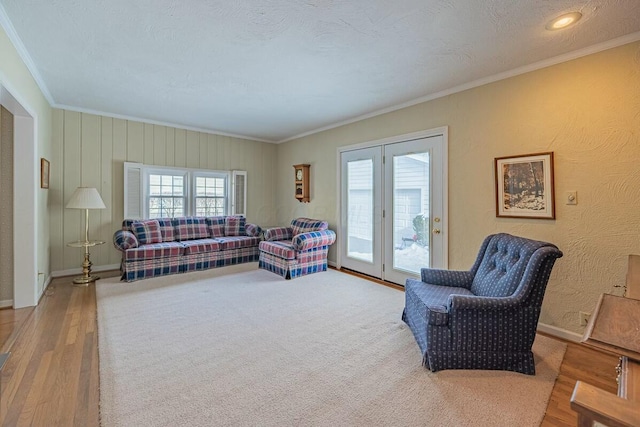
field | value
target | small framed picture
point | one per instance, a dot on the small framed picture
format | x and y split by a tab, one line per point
524	186
44	173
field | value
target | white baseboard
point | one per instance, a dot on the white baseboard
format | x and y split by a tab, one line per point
45	285
76	271
559	332
333	264
6	303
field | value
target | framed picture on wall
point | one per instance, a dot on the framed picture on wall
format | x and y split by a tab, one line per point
44	173
524	186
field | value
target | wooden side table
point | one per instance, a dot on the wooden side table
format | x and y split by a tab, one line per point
86	277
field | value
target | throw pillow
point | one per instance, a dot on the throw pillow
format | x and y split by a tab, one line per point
234	226
147	231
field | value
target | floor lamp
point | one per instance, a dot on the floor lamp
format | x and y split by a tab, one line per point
85	198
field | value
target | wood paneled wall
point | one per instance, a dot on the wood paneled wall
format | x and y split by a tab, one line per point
90	150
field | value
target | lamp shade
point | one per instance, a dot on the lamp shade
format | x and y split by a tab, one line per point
86	198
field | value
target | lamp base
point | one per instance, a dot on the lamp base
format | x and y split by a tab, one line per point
84	280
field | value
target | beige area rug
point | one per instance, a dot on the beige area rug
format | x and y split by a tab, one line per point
240	346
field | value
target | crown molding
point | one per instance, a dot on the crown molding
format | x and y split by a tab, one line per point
590	50
6	24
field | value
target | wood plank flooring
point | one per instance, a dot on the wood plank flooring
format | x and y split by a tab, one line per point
52	376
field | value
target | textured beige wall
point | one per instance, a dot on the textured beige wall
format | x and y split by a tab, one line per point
587	111
6	207
90	150
15	77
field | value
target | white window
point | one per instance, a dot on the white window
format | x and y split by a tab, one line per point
166	195
166	192
210	195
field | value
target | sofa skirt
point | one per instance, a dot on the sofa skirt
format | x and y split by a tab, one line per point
312	261
144	269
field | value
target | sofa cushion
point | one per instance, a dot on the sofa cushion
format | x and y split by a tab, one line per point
201	246
155	250
281	248
188	228
166	229
236	242
147	231
303	225
234	226
216	226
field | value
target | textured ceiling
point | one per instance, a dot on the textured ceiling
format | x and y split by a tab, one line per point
273	69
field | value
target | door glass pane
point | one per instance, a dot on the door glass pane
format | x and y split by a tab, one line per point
411	234
360	209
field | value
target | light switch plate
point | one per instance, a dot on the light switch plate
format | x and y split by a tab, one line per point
572	197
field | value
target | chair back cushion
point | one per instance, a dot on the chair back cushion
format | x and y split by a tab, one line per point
502	264
304	225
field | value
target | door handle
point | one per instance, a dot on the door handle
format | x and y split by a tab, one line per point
436	231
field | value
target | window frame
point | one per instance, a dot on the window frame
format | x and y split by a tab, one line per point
136	188
216	175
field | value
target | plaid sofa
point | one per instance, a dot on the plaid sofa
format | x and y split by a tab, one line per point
157	247
298	249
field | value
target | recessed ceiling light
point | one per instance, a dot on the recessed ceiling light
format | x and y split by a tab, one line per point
563	21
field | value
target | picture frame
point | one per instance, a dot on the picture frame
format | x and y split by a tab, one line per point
44	173
524	186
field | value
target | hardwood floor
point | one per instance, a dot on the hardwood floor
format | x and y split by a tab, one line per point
584	364
52	376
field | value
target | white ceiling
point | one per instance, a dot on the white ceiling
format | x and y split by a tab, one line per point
274	69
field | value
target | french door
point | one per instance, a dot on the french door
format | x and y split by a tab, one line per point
393	217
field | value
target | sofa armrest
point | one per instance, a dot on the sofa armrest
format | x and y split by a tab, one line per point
278	233
453	278
253	230
313	239
476	302
123	240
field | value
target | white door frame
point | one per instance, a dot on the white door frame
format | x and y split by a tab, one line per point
444	131
25	183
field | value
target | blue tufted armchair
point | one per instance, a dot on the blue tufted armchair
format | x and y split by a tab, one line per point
484	318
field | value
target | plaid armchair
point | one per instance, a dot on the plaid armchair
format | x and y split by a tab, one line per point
484	318
297	250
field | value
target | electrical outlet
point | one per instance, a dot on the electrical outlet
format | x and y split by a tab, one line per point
584	318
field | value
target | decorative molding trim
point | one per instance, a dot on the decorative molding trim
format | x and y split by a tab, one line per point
610	44
157	122
8	27
6	303
332	264
77	271
559	332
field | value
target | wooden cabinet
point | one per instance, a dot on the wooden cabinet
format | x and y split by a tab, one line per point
301	176
614	328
